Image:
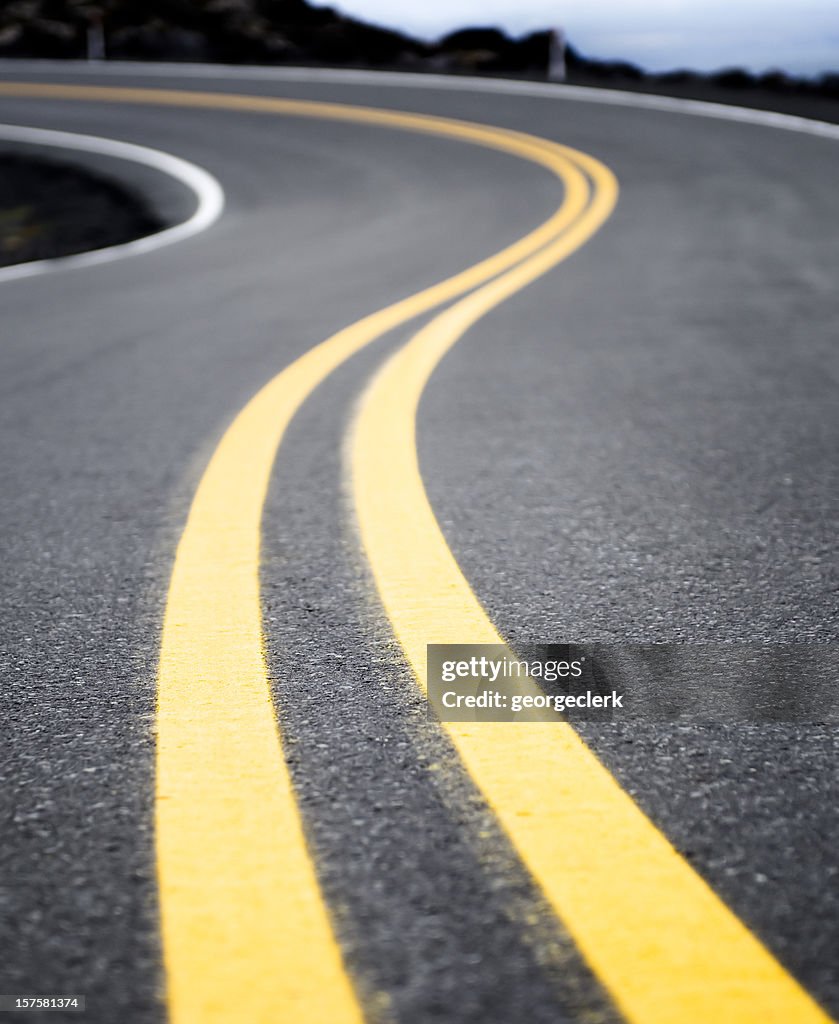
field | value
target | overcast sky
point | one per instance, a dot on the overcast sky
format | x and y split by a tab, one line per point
801	37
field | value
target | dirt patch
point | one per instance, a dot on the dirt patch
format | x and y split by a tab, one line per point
50	209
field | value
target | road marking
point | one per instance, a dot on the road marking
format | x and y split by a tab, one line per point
426	81
663	944
208	193
251	902
221	932
245	931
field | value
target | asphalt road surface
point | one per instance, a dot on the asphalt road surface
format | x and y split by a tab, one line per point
633	441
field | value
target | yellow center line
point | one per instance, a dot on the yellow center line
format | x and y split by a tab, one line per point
246	935
663	944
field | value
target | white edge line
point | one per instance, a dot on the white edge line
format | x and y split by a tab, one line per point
457	83
208	193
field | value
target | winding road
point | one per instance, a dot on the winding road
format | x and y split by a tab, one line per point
426	361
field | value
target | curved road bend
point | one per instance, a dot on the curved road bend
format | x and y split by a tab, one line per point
637	446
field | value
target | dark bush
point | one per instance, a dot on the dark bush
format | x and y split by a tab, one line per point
734	78
489	39
681	76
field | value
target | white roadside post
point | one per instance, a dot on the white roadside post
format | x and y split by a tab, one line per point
95	36
556	56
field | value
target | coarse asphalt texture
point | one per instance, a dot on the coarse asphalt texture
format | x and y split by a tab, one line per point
640	446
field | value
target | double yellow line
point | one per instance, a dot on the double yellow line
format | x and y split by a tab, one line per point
246	935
